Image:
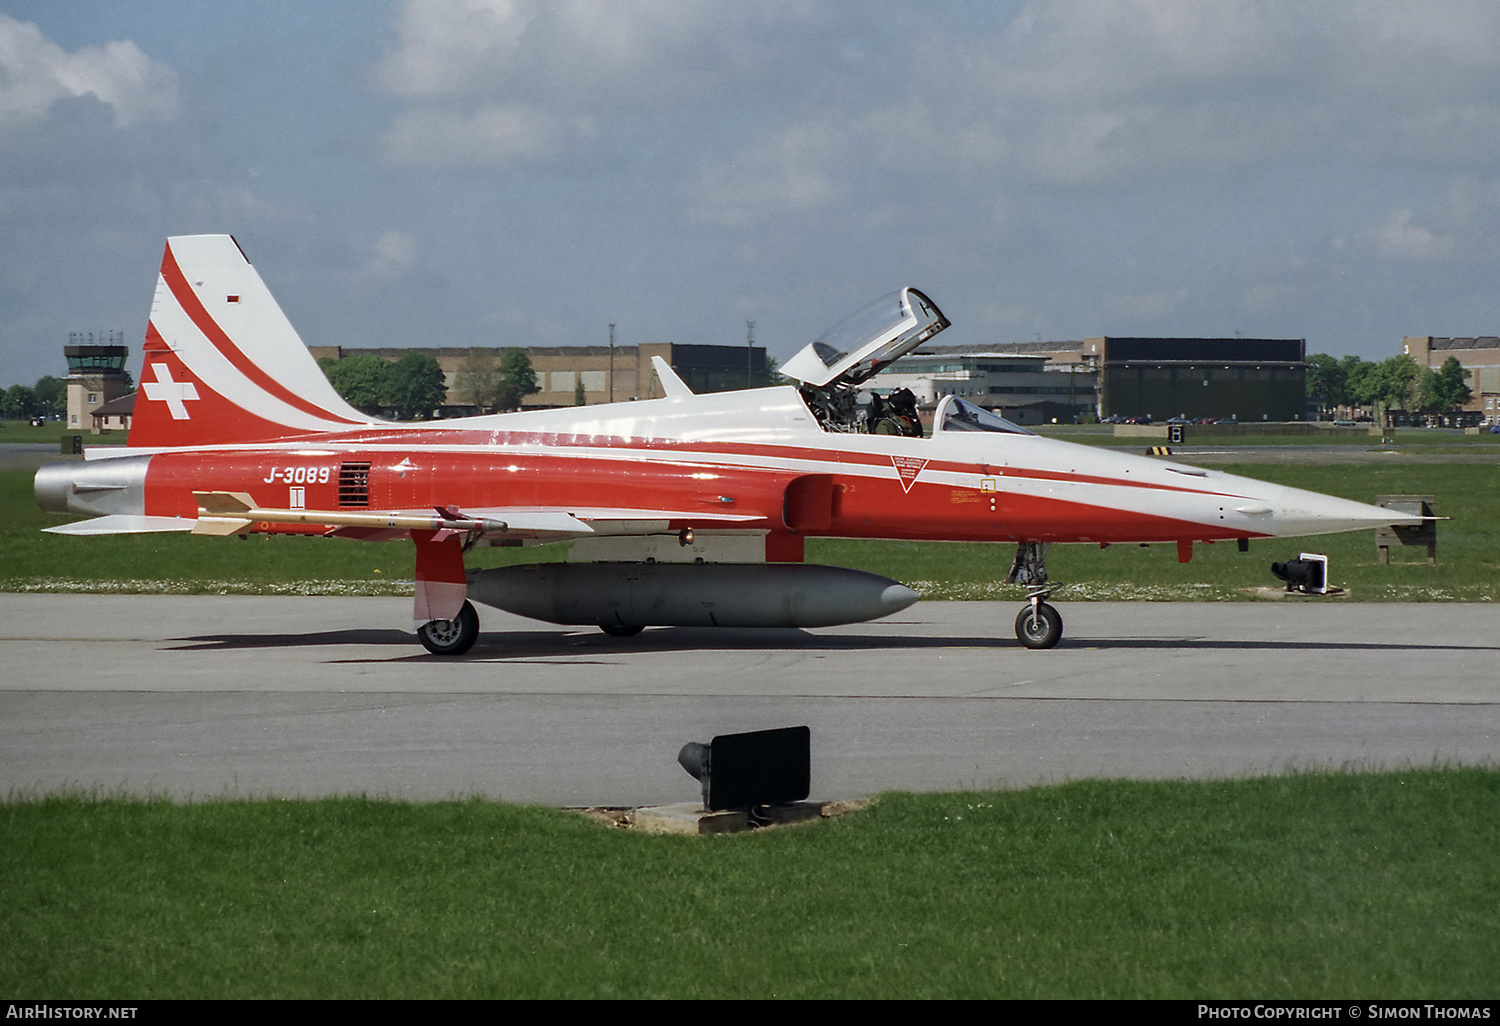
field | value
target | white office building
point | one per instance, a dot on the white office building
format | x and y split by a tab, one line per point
1019	386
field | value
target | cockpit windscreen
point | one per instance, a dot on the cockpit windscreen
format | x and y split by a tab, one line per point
954	414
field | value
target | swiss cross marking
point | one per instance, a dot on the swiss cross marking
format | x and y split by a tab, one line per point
907	469
173	393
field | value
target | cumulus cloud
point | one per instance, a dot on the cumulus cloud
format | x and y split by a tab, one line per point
790	172
1147	304
1006	314
454	47
1398	237
36	73
1271	297
392	254
733	97
491	136
443	47
1087	92
495	82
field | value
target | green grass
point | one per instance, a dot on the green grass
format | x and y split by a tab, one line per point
1468	566
1468	552
1380	885
51	433
1204	437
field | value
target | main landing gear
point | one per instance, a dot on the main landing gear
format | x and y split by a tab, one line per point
451	637
1038	625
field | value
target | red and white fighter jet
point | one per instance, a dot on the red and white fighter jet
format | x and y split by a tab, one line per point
684	510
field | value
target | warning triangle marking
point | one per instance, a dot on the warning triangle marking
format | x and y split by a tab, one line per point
907	469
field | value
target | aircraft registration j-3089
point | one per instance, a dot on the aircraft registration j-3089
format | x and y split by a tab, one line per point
684	510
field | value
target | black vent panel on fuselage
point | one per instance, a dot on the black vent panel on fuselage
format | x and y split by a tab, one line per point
354	485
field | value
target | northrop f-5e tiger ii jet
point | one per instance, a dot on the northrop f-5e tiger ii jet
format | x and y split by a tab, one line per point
684	510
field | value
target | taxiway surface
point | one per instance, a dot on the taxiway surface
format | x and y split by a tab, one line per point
201	697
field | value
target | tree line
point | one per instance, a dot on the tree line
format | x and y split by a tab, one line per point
47	398
1399	383
414	386
411	388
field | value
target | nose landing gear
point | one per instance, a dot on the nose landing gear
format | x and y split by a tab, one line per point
1038	625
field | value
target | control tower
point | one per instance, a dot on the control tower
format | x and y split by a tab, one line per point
96	374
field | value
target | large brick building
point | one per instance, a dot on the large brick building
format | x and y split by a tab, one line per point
1479	355
608	373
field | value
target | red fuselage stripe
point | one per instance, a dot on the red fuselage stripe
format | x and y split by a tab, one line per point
418	439
861	506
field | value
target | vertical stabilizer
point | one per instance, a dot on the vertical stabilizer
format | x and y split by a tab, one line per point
222	364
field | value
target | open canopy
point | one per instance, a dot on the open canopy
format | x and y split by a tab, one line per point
859	346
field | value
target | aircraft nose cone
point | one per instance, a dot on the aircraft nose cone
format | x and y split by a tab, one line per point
1301	512
895	598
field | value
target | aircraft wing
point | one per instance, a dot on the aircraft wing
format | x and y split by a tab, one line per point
121	523
233	513
577	521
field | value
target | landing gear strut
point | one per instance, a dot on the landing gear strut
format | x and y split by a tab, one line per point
451	637
1038	625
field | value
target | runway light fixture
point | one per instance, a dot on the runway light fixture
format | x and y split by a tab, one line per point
761	767
1308	573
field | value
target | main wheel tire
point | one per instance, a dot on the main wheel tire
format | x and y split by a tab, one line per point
451	637
621	630
1039	628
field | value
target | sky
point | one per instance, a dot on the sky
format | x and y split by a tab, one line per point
527	172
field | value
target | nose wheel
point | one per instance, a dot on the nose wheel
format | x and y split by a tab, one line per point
1039	625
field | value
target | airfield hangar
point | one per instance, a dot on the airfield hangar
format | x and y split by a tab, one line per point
1250	379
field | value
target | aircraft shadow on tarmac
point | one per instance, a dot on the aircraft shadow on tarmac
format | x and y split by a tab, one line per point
509	645
514	645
